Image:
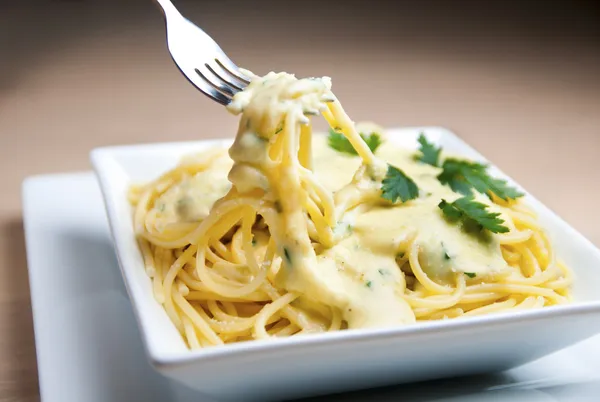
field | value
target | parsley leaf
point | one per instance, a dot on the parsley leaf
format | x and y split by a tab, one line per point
373	141
397	185
471	274
340	143
453	174
464	176
430	154
470	211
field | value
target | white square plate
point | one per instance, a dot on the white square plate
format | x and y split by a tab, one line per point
348	359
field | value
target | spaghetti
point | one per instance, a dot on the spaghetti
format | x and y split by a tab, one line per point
283	235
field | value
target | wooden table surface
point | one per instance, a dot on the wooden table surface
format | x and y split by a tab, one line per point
522	86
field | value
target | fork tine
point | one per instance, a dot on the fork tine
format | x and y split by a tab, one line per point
205	87
226	76
214	94
213	80
231	68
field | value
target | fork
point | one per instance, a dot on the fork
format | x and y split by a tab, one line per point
200	58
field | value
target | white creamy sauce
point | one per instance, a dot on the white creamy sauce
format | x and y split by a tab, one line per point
445	246
191	199
359	275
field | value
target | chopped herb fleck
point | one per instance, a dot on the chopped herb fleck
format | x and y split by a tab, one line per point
343	228
280	128
369	284
288	256
446	255
382	271
400	254
471	274
254	242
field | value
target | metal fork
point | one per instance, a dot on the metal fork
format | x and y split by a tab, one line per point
200	58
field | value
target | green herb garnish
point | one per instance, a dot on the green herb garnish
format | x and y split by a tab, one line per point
470	211
430	154
464	176
471	274
343	228
397	185
288	256
280	128
340	143
369	284
446	255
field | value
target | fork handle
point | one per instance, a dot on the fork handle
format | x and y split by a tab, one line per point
168	7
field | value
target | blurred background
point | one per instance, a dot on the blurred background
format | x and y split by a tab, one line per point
519	80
